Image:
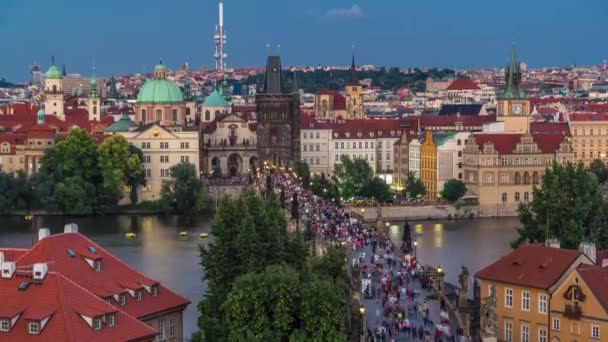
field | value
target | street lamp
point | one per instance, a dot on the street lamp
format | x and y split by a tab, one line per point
363	323
439	270
388	224
362	310
415	248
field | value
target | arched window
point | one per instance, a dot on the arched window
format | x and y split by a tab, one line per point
54	88
526	177
217	113
188	111
207	116
535	178
517	179
94	110
143	115
174	115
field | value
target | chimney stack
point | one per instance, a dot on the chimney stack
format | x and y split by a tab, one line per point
70	228
552	243
40	271
8	269
43	233
588	248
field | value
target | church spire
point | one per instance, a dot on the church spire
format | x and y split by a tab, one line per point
94	93
513	78
354	78
63	71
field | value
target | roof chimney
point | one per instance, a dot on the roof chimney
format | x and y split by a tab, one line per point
588	248
604	262
40	271
70	228
552	243
43	233
8	269
1	259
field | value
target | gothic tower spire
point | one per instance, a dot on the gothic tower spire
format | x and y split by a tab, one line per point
354	78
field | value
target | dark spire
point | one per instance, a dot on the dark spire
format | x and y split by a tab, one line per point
63	71
513	78
295	88
354	78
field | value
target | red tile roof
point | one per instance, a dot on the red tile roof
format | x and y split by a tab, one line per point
12	254
533	265
596	277
546	100
588	116
114	274
597	107
60	298
545	111
463	84
505	143
550	127
451	120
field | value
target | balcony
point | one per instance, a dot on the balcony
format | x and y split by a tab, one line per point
573	311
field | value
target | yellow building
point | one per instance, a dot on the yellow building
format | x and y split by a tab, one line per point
589	136
428	166
579	306
526	282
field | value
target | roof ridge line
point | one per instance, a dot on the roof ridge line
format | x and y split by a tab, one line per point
63	307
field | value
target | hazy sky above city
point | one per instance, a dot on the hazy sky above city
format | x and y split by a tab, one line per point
124	36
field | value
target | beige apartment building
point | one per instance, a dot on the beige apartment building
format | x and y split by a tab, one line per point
162	149
589	136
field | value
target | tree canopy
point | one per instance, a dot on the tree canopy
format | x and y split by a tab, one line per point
568	206
414	187
181	193
453	190
599	169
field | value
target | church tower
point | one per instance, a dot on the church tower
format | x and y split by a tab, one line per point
354	94
93	101
513	106
53	92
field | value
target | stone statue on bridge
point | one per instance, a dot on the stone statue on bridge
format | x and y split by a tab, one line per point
407	238
463	279
489	320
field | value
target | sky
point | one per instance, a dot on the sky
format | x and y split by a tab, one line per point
129	36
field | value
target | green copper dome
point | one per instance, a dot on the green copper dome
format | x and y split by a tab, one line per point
160	89
215	99
53	72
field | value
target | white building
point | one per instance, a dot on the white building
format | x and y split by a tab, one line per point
450	147
414	157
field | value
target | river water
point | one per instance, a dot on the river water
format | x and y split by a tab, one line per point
160	253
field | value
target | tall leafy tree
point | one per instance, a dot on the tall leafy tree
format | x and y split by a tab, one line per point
568	206
376	188
120	165
600	170
414	187
182	191
453	190
302	170
352	175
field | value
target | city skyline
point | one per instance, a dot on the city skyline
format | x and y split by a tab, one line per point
470	34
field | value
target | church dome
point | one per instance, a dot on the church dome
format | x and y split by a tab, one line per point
160	89
53	72
215	99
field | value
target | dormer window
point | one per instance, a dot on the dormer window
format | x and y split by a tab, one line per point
97	324
97	265
122	300
154	290
110	320
138	295
33	328
5	325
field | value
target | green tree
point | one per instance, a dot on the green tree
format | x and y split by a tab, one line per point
302	170
414	187
378	189
182	191
453	190
351	175
120	165
599	169
72	177
568	206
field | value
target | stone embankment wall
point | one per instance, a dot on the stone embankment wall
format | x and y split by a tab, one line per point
428	212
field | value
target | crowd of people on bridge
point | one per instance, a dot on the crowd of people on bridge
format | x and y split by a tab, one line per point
397	304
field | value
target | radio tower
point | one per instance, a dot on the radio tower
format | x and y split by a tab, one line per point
220	43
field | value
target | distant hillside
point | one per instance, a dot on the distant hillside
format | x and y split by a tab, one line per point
389	79
6	84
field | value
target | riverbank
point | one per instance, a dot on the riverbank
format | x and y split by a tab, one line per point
412	213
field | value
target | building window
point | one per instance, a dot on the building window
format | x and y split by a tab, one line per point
5	325
164	145
207	116
459	142
318	135
525	333
161	329
336	145
154	290
371	144
318	161
488	178
184	145
542	334
122	300
171	327
504	197
174	115
341	145
508	292
517	197
97	265
148	173
138	295
525	300
318	147
556	324
526	197
542	302
305	135
185	159
110	320
508	331
337	157
33	328
147	159
304	148
595	332
97	324
164	159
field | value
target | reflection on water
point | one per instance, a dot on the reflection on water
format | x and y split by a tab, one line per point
157	250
